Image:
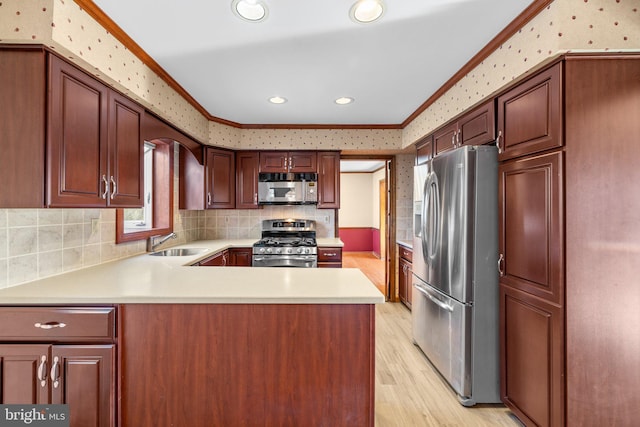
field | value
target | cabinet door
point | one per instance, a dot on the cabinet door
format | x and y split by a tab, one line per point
328	180
240	257
479	126
302	161
273	161
531	225
247	166
424	150
530	115
217	260
77	138
83	377
404	281
532	358
24	373
125	175
445	139
220	179
23	86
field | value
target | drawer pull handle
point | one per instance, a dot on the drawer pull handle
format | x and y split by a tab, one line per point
50	325
330	254
55	372
42	371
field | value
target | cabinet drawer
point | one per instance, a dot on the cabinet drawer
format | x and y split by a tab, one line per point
329	254
57	323
406	253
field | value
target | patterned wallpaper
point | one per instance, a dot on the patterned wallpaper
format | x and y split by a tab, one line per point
564	26
329	139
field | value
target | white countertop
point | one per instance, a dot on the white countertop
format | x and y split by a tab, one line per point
158	279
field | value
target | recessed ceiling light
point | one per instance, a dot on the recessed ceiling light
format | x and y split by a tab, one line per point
277	100
365	11
344	100
250	10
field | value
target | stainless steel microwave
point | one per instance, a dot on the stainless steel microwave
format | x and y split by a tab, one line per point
287	188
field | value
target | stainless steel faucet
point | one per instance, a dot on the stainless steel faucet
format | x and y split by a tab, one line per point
152	243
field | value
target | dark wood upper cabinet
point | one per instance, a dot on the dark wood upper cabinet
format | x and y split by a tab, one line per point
126	151
328	180
22	124
424	150
444	139
220	175
83	139
530	115
288	161
95	147
247	167
77	138
531	239
476	127
211	185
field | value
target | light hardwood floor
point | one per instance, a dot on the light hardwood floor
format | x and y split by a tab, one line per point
409	391
369	264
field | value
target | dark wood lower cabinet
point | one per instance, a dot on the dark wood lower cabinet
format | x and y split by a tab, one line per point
81	376
202	365
240	257
532	348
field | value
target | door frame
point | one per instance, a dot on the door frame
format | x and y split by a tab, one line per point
391	286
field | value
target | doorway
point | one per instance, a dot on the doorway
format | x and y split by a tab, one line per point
364	221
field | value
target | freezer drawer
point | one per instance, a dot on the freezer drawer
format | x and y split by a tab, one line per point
442	330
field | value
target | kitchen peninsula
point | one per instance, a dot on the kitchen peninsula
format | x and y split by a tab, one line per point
202	346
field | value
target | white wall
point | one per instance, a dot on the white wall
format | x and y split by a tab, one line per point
355	200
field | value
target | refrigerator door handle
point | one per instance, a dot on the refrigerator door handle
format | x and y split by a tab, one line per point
424	232
433	299
434	218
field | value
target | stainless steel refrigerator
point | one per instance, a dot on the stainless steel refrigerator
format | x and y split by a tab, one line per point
455	278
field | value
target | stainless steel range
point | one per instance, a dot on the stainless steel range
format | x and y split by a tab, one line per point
286	243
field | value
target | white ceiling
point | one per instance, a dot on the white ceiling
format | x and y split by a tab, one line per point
360	166
312	53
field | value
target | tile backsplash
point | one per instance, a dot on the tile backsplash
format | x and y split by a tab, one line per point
37	243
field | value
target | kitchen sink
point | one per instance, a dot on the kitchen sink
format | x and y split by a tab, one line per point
179	252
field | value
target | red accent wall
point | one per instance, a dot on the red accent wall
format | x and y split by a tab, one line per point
375	241
360	239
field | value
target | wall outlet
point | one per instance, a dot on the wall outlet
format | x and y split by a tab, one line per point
326	219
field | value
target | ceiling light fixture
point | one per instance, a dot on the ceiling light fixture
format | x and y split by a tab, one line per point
277	100
344	100
365	11
250	10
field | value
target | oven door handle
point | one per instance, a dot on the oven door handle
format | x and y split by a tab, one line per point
297	258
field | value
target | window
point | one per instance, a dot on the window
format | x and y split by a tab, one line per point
156	216
141	219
